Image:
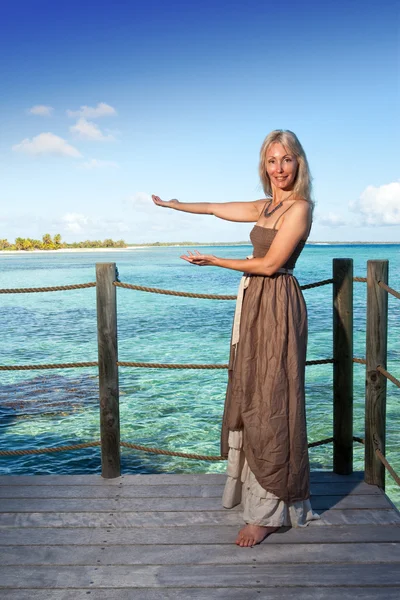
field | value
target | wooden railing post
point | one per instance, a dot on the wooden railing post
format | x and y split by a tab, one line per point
375	382
343	366
108	369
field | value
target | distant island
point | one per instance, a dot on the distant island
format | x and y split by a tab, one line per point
55	243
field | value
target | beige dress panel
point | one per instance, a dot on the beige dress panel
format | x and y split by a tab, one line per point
260	507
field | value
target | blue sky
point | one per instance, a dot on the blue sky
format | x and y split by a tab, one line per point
105	103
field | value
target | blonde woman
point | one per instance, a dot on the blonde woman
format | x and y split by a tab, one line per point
264	433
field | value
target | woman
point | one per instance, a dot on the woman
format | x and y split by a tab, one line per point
264	431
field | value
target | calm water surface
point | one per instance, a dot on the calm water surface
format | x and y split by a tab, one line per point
177	410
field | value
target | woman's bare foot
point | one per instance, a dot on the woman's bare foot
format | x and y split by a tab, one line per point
250	535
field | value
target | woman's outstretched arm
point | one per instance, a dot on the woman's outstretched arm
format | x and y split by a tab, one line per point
293	229
242	212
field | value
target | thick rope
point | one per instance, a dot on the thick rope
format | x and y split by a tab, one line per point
379	368
388	375
389	289
362	279
141	288
321	442
361	361
358	439
169	365
47	366
152	290
133	447
57	288
171	453
323	361
308	286
387	465
48	450
133	364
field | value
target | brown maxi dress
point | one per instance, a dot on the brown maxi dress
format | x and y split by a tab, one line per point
264	432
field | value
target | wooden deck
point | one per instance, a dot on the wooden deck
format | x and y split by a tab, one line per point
166	537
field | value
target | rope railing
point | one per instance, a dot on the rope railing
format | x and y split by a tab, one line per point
49	450
47	366
381	457
142	365
389	289
379	368
388	375
387	466
148	365
56	288
153	290
132	446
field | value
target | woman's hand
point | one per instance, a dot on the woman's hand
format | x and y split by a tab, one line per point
201	260
166	203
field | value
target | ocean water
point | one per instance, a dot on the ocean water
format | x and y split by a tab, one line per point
176	410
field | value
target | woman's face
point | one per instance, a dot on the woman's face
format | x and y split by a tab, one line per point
281	166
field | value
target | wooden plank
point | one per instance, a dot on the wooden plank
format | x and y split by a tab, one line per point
200	576
206	554
170	504
203	534
166	491
231	593
155	479
181	519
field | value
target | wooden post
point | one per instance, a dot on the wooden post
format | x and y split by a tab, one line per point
108	369
375	382
343	366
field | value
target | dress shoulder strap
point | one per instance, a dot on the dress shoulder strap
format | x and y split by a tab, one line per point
288	208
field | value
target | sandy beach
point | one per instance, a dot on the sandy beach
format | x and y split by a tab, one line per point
72	250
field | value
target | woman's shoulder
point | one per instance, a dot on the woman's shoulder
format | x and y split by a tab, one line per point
298	205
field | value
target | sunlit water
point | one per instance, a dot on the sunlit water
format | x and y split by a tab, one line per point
176	410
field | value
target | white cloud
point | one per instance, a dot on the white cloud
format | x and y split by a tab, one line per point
74	222
47	143
140	200
89	226
330	220
41	110
86	130
94	163
101	110
378	205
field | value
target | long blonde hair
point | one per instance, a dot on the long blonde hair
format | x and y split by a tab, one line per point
289	140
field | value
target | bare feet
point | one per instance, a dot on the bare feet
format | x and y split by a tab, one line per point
250	535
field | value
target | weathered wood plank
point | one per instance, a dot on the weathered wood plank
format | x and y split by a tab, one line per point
167	491
206	554
170	504
203	534
154	479
181	519
282	593
201	576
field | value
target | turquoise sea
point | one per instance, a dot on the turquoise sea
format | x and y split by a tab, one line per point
176	410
